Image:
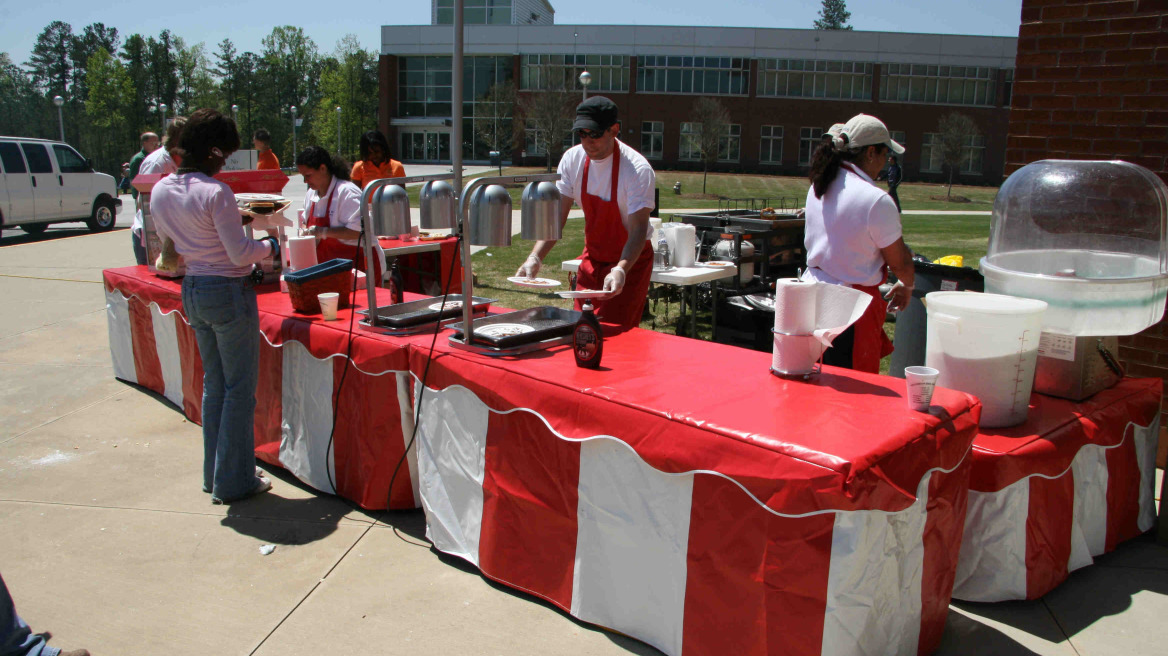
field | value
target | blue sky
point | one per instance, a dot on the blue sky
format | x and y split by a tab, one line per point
245	23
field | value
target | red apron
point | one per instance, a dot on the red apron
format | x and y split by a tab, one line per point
330	249
604	239
870	343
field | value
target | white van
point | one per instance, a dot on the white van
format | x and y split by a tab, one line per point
43	182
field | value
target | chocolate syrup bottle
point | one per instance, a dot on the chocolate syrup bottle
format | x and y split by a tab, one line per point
396	284
587	340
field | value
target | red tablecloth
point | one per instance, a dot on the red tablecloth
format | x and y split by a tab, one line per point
1071	483
682	494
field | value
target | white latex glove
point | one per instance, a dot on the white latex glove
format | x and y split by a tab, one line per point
899	296
614	282
529	268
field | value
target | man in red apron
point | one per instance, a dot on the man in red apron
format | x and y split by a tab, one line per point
614	185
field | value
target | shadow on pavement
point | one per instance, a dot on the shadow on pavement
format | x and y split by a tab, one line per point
965	635
12	236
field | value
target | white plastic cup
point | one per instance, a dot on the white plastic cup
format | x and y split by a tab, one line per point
920	382
328	304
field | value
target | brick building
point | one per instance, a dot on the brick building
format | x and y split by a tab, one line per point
1091	82
782	87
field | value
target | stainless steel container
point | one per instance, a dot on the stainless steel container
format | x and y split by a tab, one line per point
438	205
390	211
540	211
1074	368
490	216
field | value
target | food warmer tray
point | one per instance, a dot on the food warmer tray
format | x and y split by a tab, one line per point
548	323
417	316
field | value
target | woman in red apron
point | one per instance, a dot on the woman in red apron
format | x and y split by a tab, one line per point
853	235
332	208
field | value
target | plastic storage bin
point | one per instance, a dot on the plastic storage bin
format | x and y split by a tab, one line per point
332	276
909	341
1087	237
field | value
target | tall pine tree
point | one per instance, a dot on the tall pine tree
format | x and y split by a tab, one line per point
834	16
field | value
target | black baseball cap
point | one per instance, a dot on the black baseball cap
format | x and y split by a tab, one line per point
596	113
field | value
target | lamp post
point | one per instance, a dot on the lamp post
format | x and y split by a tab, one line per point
585	80
59	101
293	132
235	115
162	106
339	130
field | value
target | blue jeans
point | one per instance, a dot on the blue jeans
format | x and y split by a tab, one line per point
222	311
139	249
16	639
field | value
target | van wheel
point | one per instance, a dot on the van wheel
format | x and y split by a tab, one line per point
104	216
34	228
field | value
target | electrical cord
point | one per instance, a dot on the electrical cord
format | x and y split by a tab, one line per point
426	371
345	370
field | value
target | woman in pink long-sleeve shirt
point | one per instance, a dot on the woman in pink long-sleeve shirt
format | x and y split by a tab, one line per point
199	214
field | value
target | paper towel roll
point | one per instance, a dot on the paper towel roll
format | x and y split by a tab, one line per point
794	306
301	252
684	246
795	354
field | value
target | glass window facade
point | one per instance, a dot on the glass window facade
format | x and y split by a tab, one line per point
933	156
808	78
476	12
770	148
609	72
942	85
729	144
690	147
424	89
720	76
808	142
652	139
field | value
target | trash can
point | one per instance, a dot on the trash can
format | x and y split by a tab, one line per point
909	340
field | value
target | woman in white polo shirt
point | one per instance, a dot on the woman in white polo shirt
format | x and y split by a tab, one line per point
853	235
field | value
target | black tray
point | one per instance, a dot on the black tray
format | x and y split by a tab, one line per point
548	322
413	313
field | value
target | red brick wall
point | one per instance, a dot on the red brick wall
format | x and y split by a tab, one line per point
1091	82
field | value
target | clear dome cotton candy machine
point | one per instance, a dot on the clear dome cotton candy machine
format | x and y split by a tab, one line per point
1087	237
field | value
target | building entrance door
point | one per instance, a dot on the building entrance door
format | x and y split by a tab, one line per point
425	146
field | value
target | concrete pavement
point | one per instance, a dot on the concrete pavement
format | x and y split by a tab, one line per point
109	543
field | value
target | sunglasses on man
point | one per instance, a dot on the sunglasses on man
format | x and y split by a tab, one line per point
591	134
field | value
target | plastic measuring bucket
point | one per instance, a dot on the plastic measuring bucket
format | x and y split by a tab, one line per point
986	345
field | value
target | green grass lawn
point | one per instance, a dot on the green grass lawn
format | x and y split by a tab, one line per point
791	190
931	235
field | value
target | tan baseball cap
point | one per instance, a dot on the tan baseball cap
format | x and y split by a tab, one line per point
864	130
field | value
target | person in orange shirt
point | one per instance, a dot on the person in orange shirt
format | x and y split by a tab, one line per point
265	159
375	163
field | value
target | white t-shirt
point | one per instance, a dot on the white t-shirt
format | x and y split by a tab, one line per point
199	215
345	211
158	161
846	229
636	183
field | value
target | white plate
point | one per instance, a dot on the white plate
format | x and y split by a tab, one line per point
504	329
717	265
450	305
534	282
259	198
582	293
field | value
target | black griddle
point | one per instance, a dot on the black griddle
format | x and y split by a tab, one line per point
547	321
413	313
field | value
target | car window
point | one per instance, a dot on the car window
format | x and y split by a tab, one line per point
38	157
68	161
10	156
